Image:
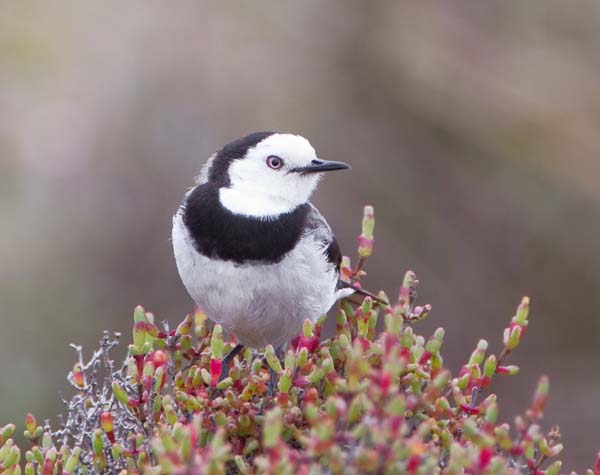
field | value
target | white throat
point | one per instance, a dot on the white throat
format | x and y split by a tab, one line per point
249	201
258	190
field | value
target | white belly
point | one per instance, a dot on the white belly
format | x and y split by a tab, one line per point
258	303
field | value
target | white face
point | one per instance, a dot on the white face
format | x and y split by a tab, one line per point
263	187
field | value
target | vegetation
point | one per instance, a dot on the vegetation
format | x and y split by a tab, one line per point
362	402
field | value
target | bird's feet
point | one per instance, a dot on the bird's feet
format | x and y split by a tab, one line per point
273	379
227	361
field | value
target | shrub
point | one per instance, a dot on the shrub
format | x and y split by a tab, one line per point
361	402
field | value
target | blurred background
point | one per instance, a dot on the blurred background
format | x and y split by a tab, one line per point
472	127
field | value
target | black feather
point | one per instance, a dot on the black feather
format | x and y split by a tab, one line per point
233	151
318	227
218	233
334	253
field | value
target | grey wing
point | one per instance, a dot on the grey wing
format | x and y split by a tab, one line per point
316	226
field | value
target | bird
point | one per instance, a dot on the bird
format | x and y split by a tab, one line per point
251	249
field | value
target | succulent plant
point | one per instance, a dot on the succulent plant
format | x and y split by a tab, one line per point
373	399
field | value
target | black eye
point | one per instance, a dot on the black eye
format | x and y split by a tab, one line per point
274	162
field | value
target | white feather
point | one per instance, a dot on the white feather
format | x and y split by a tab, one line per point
259	303
205	170
259	191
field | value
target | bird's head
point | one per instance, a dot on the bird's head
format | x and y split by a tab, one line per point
266	174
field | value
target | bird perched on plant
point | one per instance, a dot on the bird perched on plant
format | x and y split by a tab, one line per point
251	250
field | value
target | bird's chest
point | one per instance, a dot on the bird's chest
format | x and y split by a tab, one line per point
218	233
231	287
266	300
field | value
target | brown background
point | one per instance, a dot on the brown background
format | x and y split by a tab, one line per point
472	127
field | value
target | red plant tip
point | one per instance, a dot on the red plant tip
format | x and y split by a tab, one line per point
485	457
139	364
540	398
215	371
473	411
283	399
413	464
530	464
390	342
310	343
107	422
509	370
597	466
48	467
131	402
365	240
395	424
158	358
516	451
78	377
346	268
383	380
425	357
365	246
311	396
514	325
148	374
30	423
145	327
300	381
364	342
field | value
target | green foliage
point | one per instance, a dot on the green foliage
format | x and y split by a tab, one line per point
362	402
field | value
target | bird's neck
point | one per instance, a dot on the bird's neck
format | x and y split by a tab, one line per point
219	233
252	201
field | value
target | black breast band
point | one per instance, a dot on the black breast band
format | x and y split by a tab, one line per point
218	233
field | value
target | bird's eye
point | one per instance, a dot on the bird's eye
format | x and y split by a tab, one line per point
274	162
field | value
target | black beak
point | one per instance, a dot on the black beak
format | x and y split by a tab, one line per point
318	166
